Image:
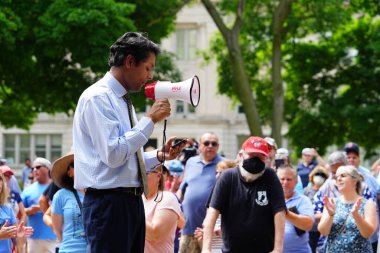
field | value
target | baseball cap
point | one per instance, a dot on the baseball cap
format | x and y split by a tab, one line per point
337	157
271	142
281	152
307	151
176	167
6	170
256	145
351	147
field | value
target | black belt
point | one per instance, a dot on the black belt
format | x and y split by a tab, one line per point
137	191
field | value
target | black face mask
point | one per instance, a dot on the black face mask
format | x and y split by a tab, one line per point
254	165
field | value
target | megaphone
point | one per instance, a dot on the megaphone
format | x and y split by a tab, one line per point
188	91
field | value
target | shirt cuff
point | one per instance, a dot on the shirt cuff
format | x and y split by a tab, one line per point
146	126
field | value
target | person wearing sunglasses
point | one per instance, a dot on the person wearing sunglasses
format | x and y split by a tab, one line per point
162	214
198	181
43	239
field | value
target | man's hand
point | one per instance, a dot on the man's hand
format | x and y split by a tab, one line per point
159	110
170	152
8	232
198	234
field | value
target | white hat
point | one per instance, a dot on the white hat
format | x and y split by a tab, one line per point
282	152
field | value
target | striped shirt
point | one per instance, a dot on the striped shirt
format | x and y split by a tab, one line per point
104	143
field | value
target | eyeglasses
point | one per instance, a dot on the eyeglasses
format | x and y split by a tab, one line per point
213	143
38	167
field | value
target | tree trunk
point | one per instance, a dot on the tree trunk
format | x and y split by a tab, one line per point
283	10
240	77
243	87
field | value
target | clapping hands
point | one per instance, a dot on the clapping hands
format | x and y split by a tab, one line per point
329	205
355	208
13	231
7	231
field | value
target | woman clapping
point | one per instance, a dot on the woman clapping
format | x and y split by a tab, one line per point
348	220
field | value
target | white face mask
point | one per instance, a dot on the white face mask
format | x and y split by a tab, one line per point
318	180
249	177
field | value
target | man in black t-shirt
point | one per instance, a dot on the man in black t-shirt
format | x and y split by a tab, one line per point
251	202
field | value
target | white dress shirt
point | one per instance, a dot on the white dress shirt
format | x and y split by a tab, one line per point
104	144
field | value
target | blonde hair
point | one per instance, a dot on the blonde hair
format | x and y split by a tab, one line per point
318	169
4	192
225	164
355	174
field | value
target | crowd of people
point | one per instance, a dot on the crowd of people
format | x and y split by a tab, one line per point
110	195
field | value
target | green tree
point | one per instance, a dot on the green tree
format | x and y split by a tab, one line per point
336	98
53	50
262	30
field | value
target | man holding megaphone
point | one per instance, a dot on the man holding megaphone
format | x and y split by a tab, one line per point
108	141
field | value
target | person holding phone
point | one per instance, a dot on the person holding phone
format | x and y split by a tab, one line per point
108	144
300	215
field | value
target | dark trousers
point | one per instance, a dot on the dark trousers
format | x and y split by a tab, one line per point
313	240
114	222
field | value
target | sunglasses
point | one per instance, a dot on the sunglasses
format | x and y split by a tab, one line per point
213	143
38	167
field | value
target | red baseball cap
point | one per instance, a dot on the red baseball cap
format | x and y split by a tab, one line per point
256	145
6	170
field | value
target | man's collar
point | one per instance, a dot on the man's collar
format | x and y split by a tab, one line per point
115	85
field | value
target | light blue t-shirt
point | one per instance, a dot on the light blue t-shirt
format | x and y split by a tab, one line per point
30	197
6	213
292	242
66	205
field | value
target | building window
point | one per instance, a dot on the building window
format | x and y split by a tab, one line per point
180	107
55	147
24	147
40	146
10	148
183	108
240	109
18	147
186	44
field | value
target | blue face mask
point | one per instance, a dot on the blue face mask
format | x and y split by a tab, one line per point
254	165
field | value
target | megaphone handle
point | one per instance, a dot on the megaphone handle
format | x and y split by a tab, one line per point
164	142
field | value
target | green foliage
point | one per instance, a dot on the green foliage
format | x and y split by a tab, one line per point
158	16
53	50
335	99
331	96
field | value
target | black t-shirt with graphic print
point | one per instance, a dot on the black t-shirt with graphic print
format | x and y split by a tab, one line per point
248	210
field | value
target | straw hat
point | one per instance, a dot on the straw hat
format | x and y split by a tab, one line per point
59	169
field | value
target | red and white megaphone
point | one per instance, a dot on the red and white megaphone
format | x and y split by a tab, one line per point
188	90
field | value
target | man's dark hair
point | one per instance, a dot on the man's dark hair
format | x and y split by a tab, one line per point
133	43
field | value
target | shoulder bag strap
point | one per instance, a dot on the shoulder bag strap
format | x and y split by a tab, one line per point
78	200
